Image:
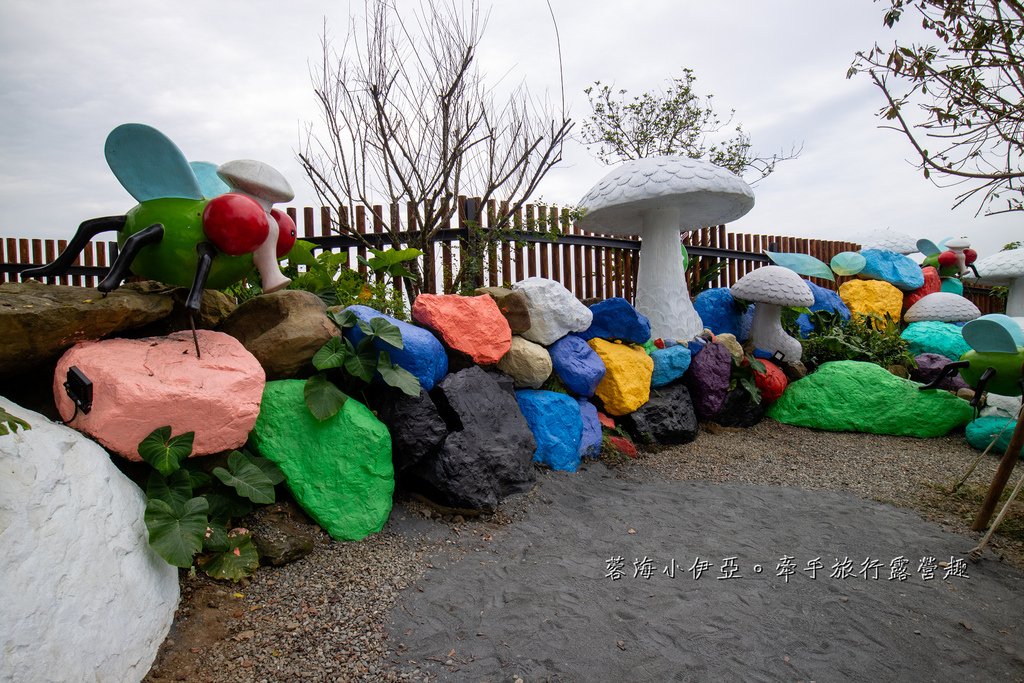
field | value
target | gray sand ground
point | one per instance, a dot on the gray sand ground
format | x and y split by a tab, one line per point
535	602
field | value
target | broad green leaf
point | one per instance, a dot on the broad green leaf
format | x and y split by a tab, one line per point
757	366
226	505
269	468
302	253
177	535
165	452
216	539
238	561
397	376
323	399
364	326
175	490
344	318
247	479
387	332
331	355
755	393
364	363
199	479
383	260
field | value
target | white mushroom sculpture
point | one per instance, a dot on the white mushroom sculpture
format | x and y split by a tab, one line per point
265	184
887	239
657	198
772	287
1006	268
943	307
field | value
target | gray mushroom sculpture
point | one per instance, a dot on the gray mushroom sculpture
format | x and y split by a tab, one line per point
1006	268
771	287
657	198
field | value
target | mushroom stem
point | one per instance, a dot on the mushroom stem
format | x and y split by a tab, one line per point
767	334
661	292
1015	298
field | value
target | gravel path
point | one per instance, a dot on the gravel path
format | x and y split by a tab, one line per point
326	616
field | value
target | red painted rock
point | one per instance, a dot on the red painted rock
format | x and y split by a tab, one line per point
932	284
605	420
472	325
624	446
142	384
772	382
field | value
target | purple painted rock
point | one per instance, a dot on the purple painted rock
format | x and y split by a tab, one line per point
929	365
472	325
615	318
577	365
142	384
708	378
590	441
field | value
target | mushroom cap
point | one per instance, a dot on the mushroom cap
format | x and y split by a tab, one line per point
258	179
1002	266
705	195
773	285
943	307
887	239
957	243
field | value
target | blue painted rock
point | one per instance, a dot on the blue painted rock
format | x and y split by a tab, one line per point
896	269
557	426
852	396
670	364
980	433
952	285
719	312
590	440
668	417
929	365
422	355
577	365
824	300
945	339
615	318
708	379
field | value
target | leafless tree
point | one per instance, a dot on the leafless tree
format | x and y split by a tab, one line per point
407	118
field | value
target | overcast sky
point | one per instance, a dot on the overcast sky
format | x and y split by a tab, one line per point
228	80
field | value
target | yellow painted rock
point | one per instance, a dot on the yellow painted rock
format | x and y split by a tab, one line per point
627	379
872	297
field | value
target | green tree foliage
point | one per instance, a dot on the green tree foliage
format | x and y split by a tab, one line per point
676	121
959	97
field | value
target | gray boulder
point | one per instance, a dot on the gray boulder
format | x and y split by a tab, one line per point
668	417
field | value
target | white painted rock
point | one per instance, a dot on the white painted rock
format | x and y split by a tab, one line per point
554	311
84	597
527	363
142	384
997	405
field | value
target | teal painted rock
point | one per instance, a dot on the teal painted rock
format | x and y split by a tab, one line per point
339	470
980	433
945	339
851	396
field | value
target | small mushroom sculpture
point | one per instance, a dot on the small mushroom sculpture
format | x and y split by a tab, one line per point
772	287
657	198
1006	268
944	307
887	239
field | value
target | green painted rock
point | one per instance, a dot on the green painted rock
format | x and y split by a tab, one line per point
945	339
339	470
981	432
851	396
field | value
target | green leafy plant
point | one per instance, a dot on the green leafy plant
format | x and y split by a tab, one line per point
9	423
863	338
354	366
190	513
702	277
742	376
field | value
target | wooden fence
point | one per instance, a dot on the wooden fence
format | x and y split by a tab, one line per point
590	265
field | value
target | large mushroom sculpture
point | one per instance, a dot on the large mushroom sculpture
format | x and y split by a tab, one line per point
771	287
1006	268
657	198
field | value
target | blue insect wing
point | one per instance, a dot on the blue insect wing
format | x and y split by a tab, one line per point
149	165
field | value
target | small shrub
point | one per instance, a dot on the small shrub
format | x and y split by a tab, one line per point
863	338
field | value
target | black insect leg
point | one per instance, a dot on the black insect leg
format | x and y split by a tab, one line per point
948	370
119	271
206	253
86	231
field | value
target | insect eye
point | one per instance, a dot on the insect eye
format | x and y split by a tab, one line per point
235	223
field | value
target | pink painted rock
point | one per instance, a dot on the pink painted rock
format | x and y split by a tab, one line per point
142	384
472	325
932	284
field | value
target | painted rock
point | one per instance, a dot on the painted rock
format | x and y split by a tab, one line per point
615	318
952	285
416	427
930	286
852	396
84	596
772	382
624	446
719	312
472	325
421	353
739	410
982	431
929	365
512	305
888	266
590	439
627	380
577	365
997	405
338	469
945	339
554	311
668	417
142	384
557	427
708	379
527	363
872	297
824	300
669	364
729	342
283	330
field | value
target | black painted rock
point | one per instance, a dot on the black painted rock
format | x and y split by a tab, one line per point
668	417
739	410
417	429
488	452
929	365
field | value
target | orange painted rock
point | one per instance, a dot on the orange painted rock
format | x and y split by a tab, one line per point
472	325
932	284
772	382
143	384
